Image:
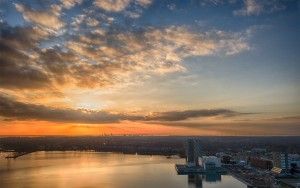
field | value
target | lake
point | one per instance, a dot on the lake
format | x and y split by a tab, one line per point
104	170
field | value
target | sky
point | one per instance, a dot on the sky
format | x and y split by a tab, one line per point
150	67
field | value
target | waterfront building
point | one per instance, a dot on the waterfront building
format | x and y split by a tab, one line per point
190	155
193	152
211	162
286	161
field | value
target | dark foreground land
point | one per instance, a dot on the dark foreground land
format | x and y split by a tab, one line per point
153	145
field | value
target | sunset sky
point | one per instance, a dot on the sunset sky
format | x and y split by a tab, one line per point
150	67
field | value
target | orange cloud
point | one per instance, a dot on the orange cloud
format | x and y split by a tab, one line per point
119	5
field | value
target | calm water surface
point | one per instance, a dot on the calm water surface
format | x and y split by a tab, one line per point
104	170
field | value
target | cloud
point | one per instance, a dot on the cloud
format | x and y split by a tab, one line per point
16	68
112	5
102	58
251	7
120	5
171	6
252	128
283	118
133	14
256	7
23	111
15	110
57	64
45	19
288	118
70	3
213	2
144	3
92	22
153	50
188	114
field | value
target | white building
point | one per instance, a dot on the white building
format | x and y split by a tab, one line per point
211	162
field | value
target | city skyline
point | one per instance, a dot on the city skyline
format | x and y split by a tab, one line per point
148	67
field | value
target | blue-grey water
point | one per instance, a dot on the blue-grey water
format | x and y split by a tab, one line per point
104	170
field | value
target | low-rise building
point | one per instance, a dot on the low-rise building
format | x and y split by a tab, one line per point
261	163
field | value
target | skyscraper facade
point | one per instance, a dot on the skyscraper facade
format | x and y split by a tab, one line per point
193	152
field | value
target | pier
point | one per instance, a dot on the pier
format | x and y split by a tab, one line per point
17	154
185	170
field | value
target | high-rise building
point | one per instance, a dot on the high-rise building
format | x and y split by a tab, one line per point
190	155
193	152
197	150
285	160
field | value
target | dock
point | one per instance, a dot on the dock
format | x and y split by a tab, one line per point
185	170
17	154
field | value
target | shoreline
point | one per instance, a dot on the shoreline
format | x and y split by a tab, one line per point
15	155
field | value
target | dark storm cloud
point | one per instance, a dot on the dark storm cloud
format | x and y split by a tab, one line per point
183	115
24	65
57	64
241	128
287	118
295	119
14	110
16	68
